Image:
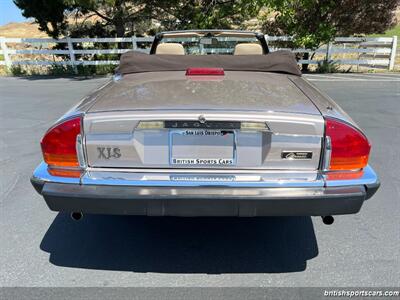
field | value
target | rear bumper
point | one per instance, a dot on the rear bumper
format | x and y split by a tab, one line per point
139	194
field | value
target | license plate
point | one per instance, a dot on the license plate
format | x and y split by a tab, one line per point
198	147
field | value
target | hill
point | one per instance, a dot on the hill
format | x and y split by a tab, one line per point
22	30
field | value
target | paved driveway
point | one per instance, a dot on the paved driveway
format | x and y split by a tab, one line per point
43	248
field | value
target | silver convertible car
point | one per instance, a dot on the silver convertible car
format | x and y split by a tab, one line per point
210	123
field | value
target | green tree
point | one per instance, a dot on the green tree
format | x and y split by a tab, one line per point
117	17
315	22
122	17
205	14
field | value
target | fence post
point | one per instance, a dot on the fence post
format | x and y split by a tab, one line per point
72	54
393	53
3	46
134	42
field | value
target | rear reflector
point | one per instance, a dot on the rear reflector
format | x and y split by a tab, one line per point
59	144
350	148
65	172
205	71
347	175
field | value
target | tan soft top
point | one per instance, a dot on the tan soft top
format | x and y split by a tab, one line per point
279	62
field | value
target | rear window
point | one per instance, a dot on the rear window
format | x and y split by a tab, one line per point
201	45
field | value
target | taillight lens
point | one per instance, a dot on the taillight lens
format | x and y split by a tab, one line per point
350	148
59	144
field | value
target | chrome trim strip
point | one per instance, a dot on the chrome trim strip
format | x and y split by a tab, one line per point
257	170
210	115
95	179
253	180
327	154
80	152
369	178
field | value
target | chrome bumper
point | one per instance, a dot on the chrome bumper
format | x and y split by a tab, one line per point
194	193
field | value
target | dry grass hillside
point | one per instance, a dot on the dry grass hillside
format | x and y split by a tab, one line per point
31	29
22	30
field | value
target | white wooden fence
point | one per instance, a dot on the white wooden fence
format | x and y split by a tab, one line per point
360	51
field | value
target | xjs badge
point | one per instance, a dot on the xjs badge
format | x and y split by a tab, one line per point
296	155
108	152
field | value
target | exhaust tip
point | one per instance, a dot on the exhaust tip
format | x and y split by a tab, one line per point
76	215
328	220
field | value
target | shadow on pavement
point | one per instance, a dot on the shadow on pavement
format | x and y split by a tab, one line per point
182	245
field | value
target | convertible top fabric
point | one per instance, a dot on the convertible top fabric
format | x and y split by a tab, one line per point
279	62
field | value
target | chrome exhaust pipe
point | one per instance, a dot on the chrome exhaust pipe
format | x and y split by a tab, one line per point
328	220
76	215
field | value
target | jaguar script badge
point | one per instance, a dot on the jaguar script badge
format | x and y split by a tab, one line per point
202	124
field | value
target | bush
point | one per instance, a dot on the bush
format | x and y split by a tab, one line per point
67	70
327	67
17	70
60	70
96	70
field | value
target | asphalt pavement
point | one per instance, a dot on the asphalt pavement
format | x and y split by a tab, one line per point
41	248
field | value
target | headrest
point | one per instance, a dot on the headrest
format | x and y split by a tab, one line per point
170	48
248	49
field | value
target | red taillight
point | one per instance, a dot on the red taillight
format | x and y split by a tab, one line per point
350	148
59	144
204	71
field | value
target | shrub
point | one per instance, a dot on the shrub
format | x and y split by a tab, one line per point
60	70
327	67
67	70
17	70
96	70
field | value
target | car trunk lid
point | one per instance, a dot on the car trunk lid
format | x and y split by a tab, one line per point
250	91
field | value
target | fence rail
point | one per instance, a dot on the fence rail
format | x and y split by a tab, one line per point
371	52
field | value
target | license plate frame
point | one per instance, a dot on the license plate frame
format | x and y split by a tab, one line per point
227	161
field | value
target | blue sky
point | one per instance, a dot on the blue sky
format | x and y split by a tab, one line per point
9	12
